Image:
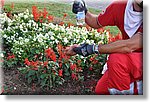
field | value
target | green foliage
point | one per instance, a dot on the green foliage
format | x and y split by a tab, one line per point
39	49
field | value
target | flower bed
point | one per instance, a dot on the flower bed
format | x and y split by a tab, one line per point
36	46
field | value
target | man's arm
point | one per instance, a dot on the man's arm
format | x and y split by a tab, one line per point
92	20
120	46
123	46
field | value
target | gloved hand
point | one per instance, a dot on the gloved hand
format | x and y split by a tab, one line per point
79	6
85	49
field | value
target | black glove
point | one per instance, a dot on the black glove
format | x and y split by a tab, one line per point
84	50
79	7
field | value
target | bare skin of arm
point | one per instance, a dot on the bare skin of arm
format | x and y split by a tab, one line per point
91	20
123	46
120	46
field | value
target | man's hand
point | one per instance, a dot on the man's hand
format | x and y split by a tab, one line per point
79	7
84	49
69	50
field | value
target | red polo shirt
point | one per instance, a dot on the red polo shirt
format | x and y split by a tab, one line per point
114	16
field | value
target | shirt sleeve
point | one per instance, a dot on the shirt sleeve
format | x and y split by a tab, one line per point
107	18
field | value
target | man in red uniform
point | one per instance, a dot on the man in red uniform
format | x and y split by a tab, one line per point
125	67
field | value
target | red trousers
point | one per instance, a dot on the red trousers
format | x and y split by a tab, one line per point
123	76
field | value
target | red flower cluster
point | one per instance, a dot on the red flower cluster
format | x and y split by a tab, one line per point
50	18
10	56
90	68
41	15
73	66
100	30
60	73
45	64
70	24
65	15
33	64
12	5
45	13
50	54
35	13
93	60
27	62
61	23
61	51
114	38
74	76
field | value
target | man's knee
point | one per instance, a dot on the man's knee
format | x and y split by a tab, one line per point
118	62
118	58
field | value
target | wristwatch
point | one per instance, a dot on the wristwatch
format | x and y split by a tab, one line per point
96	49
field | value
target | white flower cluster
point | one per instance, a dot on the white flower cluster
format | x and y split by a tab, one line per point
23	33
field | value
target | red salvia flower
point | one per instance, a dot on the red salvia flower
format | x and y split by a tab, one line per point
34	64
11	57
100	30
90	68
114	38
35	13
12	5
45	63
73	66
41	21
74	76
45	13
70	24
50	54
27	62
50	18
60	72
61	23
62	52
65	15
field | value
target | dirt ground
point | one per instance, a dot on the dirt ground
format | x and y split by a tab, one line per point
14	84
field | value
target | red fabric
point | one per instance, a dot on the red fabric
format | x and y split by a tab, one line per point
114	16
123	69
102	85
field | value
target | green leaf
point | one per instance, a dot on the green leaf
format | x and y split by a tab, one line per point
43	76
29	80
31	72
43	83
37	51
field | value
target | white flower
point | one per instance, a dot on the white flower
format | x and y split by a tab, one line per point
66	40
52	38
21	43
88	41
97	35
25	16
1	55
20	14
20	38
56	41
21	27
5	36
40	39
26	40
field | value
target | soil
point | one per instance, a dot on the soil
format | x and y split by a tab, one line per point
14	84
